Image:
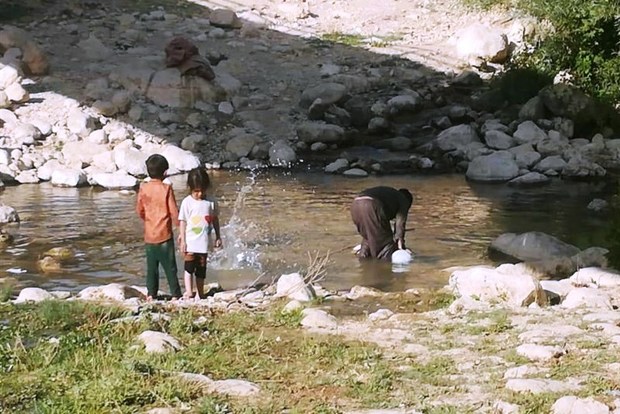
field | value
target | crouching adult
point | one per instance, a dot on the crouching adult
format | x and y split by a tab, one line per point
371	211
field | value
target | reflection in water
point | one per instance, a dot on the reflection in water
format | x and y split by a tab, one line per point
270	222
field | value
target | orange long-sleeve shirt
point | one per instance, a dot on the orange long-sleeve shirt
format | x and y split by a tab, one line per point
157	206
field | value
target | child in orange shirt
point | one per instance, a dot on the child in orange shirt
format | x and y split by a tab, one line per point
157	206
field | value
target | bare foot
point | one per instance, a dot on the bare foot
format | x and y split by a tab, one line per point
149	298
188	295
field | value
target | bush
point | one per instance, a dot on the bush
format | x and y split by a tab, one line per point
585	40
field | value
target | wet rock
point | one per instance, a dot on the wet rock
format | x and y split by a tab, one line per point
281	154
8	214
60	253
530	179
49	264
532	246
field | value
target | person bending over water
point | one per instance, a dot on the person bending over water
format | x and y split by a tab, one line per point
198	217
157	207
372	211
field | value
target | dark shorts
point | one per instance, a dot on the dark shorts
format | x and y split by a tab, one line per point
196	264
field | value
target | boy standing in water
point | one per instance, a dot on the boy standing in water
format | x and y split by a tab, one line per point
198	218
157	207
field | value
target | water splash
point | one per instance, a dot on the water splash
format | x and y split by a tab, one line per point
236	254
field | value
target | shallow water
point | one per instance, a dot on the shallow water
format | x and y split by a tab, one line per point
273	223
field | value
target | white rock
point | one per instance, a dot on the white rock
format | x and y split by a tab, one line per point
112	291
16	93
33	294
380	315
575	405
292	306
316	318
540	352
115	180
8	214
293	286
509	283
67	177
179	159
538	386
159	342
587	298
502	407
8	76
595	276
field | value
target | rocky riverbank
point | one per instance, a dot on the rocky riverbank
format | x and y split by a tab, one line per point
481	346
87	97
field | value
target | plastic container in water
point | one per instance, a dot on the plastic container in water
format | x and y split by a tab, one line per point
402	257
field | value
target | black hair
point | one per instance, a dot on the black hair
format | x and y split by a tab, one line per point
156	166
198	179
407	194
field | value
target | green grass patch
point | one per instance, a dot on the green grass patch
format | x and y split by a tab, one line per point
73	357
435	372
343	38
533	403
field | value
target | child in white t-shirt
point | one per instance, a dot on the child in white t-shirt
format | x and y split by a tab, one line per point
198	217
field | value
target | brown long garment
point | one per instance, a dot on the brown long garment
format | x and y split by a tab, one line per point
374	227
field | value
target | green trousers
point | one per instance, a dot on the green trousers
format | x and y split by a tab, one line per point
161	253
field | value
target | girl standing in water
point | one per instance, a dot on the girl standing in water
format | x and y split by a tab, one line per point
198	218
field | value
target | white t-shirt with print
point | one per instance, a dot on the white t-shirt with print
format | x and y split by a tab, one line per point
198	216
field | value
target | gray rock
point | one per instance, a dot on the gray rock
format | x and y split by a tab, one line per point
311	132
456	137
281	154
532	246
529	180
528	133
499	166
329	93
497	139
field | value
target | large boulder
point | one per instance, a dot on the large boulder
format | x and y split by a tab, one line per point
513	284
34	61
533	245
456	137
497	167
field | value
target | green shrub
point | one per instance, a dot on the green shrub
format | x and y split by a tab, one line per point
584	40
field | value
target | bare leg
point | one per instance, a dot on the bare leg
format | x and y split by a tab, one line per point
189	286
200	287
